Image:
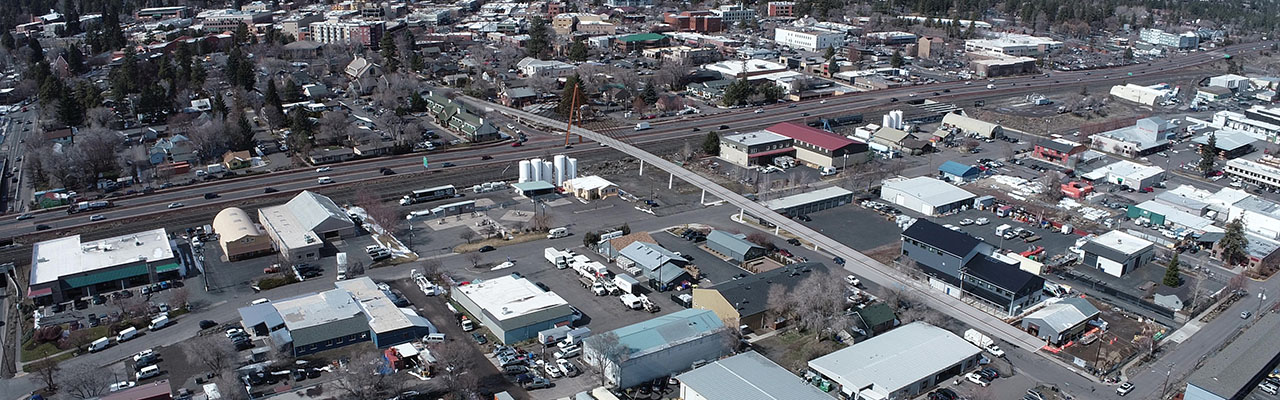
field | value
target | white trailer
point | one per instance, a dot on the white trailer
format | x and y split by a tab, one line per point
342	266
983	342
626	283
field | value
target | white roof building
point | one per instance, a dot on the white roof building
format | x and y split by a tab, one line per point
514	309
299	226
748	67
901	363
925	195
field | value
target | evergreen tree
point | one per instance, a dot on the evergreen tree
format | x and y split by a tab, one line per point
272	97
242	33
300	123
72	18
896	60
539	42
1209	154
1171	273
243	139
711	144
578	51
572	96
1128	54
832	66
831	52
70	112
390	58
737	92
37	52
112	36
197	75
650	94
219	106
75	59
1233	243
292	92
6	40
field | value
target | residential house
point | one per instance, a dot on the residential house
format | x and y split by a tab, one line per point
237	159
517	97
330	155
176	149
875	319
64	136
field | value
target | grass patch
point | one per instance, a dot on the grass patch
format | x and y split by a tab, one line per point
498	242
32	352
793	349
58	358
180	311
276	281
38	351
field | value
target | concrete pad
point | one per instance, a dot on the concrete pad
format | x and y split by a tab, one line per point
517	215
453	221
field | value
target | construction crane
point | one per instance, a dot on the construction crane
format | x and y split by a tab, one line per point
573	108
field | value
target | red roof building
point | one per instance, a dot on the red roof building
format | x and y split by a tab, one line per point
818	148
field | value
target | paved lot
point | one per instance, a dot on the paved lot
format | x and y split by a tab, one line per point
850	224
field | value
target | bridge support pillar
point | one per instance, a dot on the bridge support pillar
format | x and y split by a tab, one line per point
741	214
641	167
775	229
671	181
704	197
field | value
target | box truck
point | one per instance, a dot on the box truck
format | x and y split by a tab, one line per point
983	342
642	126
342	266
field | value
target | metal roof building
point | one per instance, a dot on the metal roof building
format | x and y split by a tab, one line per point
957	172
747	376
974	126
655	262
1237	369
925	195
734	246
1062	321
1117	252
299	226
901	363
514	309
663	346
809	202
239	236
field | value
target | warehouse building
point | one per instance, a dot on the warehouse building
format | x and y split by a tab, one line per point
734	247
238	236
755	148
1117	253
1234	372
1229	143
810	202
300	226
958	173
900	364
661	347
356	311
66	269
1061	322
1127	173
746	376
973	126
924	195
817	148
660	266
533	189
513	309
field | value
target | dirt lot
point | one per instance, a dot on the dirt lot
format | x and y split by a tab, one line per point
793	350
1124	337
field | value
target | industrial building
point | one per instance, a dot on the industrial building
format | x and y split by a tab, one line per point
746	376
810	202
818	148
958	173
662	347
925	195
1229	143
1128	174
555	171
1061	322
1145	95
1015	45
66	268
734	247
1117	253
356	311
300	226
900	364
754	148
808	38
990	65
1145	137
1183	41
744	302
1236	370
533	189
238	236
513	309
660	266
590	187
1264	172
973	126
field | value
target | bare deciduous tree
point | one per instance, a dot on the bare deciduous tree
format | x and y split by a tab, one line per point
210	351
382	213
48	371
475	258
467	234
362	379
95	151
85	381
99	117
604	352
333	128
178	298
456	367
209	140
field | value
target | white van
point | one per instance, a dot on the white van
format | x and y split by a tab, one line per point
127	334
324	179
148	372
99	344
159	322
433	338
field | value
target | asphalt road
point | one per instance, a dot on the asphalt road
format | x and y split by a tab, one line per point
662	130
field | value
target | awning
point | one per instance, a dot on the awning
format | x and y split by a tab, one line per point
167	267
771	152
107	276
34	293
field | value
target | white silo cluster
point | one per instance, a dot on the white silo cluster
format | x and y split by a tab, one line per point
556	171
892	120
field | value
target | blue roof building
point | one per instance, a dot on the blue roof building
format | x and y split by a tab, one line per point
660	347
957	172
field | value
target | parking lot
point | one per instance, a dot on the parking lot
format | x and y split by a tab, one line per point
850	224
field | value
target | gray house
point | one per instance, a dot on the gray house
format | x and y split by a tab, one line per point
1062	321
734	246
941	251
957	262
660	266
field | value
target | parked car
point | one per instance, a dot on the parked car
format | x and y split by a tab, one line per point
1124	389
538	383
487	249
206	324
479	338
